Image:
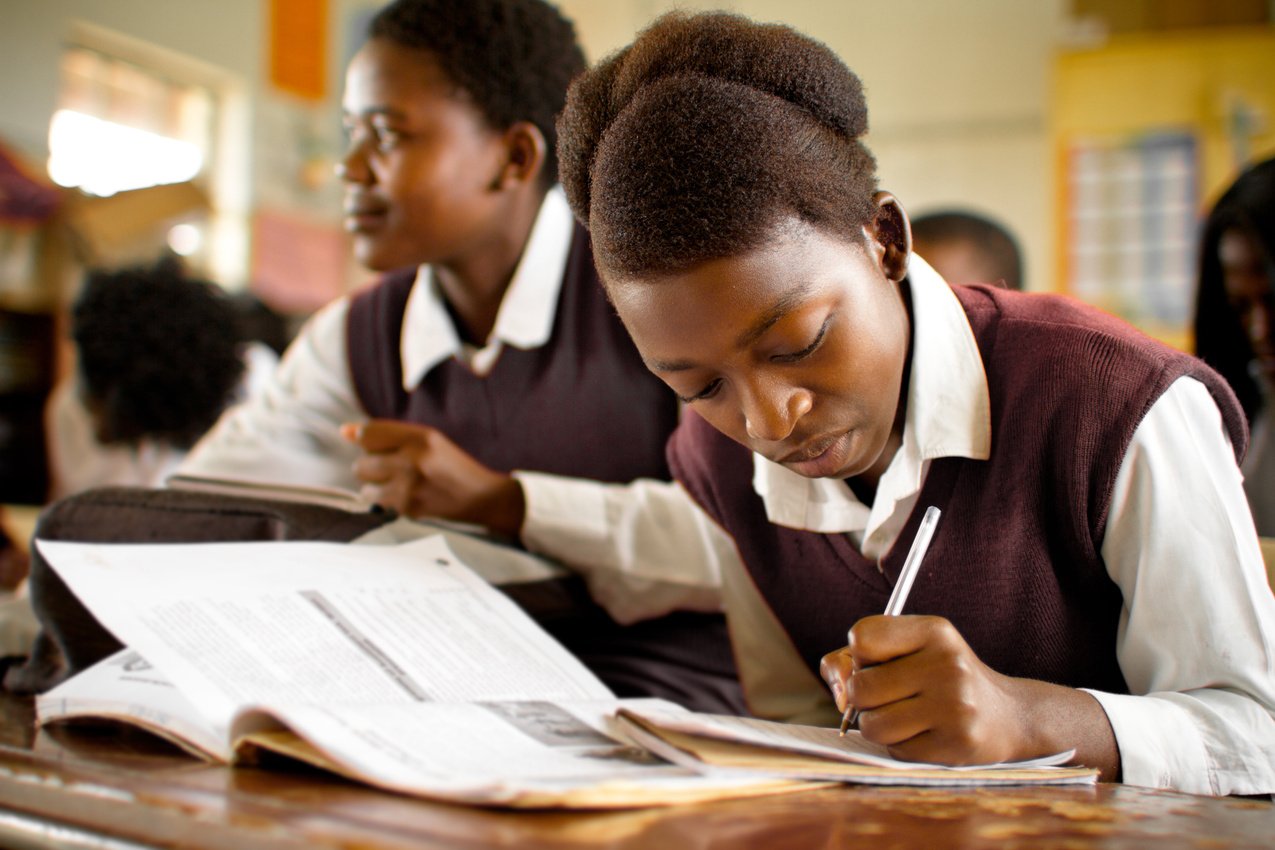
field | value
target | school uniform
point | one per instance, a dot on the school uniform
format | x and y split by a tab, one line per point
558	387
1130	569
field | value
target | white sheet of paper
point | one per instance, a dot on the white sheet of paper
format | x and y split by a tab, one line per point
825	742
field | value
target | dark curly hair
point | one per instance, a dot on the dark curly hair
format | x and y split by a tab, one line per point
158	353
1220	337
514	58
692	142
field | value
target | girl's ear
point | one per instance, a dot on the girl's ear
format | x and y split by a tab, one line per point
526	150
892	236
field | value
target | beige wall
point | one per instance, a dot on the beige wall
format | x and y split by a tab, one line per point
959	91
958	94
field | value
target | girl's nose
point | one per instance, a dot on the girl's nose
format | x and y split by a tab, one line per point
1259	326
771	413
352	167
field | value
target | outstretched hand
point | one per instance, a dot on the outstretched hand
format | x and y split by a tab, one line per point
418	472
923	693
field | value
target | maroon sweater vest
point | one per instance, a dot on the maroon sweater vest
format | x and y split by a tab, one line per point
584	406
1016	563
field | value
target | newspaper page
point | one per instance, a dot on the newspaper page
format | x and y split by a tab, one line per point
233	624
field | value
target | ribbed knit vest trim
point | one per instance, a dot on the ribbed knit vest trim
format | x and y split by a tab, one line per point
583	405
1016	562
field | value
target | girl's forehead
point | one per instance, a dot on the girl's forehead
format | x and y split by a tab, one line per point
787	262
383	69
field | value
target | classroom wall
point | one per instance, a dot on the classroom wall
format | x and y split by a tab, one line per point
225	36
958	94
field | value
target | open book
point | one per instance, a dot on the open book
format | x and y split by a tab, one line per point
307	494
394	665
260	488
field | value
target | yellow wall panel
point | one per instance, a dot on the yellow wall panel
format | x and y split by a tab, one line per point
1215	86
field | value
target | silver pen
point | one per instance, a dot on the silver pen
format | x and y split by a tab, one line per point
899	597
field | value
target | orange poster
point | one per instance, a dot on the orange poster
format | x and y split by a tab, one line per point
299	47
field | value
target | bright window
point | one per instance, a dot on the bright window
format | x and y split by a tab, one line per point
123	127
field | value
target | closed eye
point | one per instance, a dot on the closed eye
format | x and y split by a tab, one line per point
808	350
706	393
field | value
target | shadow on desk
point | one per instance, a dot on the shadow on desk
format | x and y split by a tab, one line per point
98	786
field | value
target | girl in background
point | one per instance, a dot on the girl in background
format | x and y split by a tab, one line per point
1235	318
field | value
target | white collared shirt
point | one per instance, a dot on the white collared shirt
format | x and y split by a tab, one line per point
291	431
1196	638
526	314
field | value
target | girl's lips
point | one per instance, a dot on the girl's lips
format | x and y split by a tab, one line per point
817	462
363	221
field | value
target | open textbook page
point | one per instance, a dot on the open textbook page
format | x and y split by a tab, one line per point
508	753
751	746
261	488
394	665
537	754
232	624
127	688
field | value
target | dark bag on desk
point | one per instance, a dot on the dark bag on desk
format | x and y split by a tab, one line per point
70	638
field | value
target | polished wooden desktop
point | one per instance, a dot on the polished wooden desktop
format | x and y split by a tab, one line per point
107	788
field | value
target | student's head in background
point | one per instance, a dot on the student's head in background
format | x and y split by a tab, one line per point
158	353
449	108
1235	299
968	247
737	226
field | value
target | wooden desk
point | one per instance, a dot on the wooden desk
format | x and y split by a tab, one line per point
85	788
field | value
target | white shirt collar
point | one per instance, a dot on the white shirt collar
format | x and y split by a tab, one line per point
949	414
525	318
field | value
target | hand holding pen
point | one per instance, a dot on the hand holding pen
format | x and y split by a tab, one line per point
922	692
899	597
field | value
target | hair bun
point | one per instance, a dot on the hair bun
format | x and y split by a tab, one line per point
771	58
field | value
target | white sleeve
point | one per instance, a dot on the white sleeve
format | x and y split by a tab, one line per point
644	548
1196	639
289	430
78	462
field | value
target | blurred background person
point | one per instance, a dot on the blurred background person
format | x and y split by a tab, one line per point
1235	318
967	247
158	356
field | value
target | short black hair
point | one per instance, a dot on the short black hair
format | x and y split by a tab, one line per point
158	353
694	141
514	58
997	248
1220	338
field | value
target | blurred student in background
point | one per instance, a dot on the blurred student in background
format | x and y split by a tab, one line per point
158	356
967	247
488	347
1235	318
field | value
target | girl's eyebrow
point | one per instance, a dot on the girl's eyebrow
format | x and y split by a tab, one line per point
785	305
373	111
